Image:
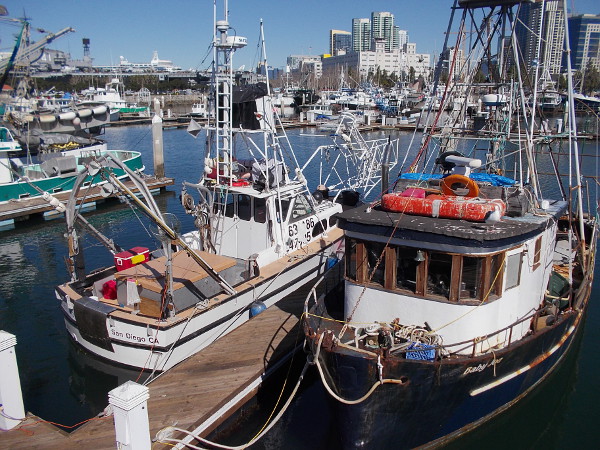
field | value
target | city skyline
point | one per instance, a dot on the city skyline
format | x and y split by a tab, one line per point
135	29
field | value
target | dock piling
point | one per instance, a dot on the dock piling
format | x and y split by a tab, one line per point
130	410
11	398
157	140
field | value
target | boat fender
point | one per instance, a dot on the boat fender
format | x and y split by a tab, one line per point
332	260
47	118
256	308
85	113
449	184
99	110
67	116
441	160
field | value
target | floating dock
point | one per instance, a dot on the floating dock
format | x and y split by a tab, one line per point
203	391
36	207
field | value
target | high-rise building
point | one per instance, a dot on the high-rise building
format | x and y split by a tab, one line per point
551	31
339	41
382	27
584	38
361	35
400	38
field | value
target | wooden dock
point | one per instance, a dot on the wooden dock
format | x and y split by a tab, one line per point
31	207
201	392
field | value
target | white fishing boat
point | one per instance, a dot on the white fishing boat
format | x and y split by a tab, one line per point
112	96
260	236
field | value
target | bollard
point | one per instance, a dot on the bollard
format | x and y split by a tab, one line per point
157	139
12	412
130	410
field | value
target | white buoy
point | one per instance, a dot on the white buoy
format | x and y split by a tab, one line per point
130	411
13	411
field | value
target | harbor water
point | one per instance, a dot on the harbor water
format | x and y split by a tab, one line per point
63	385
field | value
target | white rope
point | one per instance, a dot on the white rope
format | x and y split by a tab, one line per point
239	447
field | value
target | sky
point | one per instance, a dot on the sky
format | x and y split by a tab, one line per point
181	30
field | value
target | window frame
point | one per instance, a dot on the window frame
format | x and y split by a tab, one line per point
490	281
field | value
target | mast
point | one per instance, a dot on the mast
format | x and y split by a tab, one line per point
573	131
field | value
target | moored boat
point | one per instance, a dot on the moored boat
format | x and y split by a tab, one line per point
444	323
259	235
55	171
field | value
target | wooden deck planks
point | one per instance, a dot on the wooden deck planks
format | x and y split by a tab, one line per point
37	205
195	389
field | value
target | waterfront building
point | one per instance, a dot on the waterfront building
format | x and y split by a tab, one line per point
584	37
305	64
361	35
396	61
552	35
340	42
382	27
458	68
400	37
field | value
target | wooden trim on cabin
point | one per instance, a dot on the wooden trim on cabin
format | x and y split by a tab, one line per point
422	269
362	266
486	278
390	268
455	278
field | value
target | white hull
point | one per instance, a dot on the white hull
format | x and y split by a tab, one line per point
138	344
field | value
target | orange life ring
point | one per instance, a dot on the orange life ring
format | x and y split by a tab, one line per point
451	180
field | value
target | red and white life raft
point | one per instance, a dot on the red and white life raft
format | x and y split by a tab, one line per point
445	206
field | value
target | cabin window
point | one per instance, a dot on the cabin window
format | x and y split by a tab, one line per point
425	273
376	262
439	274
471	277
260	210
244	203
406	268
537	253
285	206
228	203
319	228
301	208
351	259
513	270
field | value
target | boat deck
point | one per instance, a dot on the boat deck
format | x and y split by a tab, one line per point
203	391
450	231
28	208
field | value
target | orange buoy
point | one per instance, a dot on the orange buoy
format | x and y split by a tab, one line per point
445	206
450	181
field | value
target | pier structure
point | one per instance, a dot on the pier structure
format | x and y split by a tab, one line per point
197	395
36	207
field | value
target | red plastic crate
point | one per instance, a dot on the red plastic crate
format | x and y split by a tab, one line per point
131	257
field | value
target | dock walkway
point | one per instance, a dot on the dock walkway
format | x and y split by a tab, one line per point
205	389
26	208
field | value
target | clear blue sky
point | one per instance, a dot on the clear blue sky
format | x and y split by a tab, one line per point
181	30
